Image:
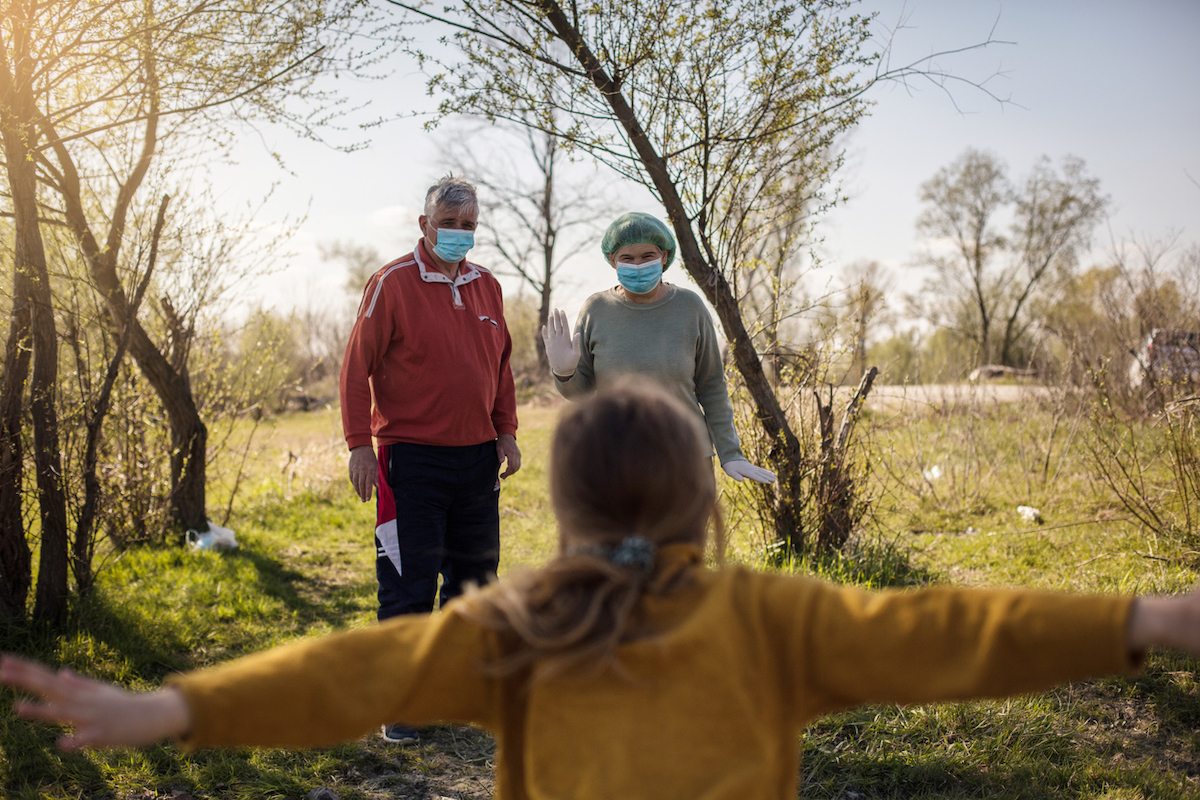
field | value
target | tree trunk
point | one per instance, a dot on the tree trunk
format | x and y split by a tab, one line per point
84	546
50	603
543	318
189	446
549	236
16	562
860	346
785	452
1010	328
19	136
837	505
189	436
15	558
985	314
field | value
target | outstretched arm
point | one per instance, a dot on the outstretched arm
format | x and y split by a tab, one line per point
942	643
102	714
105	715
309	693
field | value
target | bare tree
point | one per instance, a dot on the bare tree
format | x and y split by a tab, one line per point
32	331
83	544
963	200
1055	216
89	94
1161	283
360	261
867	287
984	278
769	282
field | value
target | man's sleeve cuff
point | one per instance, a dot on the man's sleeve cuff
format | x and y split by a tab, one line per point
358	441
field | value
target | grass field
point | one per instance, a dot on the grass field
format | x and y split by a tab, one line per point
305	567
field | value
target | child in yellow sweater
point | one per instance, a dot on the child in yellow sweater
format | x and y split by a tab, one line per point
625	668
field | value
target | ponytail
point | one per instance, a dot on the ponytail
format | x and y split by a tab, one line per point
630	474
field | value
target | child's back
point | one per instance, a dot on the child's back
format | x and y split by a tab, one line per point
707	701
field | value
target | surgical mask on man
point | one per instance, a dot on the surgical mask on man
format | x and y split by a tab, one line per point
640	278
453	244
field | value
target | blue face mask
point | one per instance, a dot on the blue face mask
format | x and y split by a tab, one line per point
640	278
453	244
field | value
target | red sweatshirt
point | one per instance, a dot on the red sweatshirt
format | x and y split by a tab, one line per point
432	355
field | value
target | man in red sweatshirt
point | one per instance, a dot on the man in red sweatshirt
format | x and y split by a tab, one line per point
426	375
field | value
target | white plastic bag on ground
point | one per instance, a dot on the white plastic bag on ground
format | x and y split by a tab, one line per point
1030	514
215	538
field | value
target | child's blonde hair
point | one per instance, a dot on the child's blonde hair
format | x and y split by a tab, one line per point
629	464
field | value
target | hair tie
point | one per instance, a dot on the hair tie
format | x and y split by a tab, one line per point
633	551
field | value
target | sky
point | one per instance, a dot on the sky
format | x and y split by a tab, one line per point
1114	83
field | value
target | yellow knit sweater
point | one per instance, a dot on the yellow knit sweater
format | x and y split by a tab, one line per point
711	707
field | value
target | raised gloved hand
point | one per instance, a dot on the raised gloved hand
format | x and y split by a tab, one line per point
562	349
744	469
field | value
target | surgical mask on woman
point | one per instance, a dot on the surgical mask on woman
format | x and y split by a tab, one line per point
640	278
453	244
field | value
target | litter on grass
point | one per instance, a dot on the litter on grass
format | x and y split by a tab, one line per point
215	538
1030	514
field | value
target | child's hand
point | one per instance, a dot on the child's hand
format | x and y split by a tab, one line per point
1166	622
102	714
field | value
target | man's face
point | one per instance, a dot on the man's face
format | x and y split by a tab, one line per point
459	218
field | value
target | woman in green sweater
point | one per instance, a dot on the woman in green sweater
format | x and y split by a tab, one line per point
646	327
624	667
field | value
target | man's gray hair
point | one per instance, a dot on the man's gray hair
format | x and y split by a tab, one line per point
453	193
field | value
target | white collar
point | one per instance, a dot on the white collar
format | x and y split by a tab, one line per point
467	272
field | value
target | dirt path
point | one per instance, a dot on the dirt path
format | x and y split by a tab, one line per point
940	395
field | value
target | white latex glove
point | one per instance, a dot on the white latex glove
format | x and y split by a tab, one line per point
562	349
744	469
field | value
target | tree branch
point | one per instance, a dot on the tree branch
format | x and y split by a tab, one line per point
189	109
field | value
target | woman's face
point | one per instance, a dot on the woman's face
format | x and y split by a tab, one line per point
636	254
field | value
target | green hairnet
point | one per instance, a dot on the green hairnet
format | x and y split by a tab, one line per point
637	227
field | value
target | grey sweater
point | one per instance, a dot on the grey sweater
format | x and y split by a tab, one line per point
672	340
